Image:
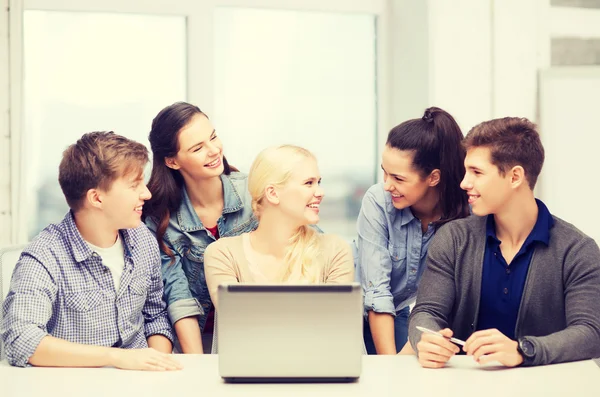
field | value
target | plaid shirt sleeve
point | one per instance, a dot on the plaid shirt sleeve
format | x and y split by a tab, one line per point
156	319
27	309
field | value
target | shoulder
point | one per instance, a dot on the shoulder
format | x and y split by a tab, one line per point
377	195
225	246
151	224
173	230
564	236
172	227
239	180
143	237
331	239
245	218
461	230
574	251
470	224
333	245
48	249
567	230
376	204
238	176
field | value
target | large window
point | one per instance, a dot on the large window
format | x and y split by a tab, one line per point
307	72
304	78
87	72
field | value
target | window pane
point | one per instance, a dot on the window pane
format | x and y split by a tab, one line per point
304	78
88	72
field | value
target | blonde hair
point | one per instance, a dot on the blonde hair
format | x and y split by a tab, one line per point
274	166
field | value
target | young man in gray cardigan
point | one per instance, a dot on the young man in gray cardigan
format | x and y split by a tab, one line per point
521	286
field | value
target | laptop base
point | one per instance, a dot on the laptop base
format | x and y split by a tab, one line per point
237	379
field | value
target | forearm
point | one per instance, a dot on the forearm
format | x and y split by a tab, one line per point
574	343
55	352
188	333
160	343
382	330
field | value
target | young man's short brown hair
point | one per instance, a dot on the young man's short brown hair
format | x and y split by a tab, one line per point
96	160
512	141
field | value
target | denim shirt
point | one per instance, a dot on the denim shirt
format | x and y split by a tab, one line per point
186	293
389	253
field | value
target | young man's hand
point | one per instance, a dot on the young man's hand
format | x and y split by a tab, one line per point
434	351
492	345
144	359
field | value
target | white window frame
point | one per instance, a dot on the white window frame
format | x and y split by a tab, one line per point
200	74
5	142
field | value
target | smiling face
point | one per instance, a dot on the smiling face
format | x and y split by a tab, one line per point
488	191
200	154
122	202
405	184
300	197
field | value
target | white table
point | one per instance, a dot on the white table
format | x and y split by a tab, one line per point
398	376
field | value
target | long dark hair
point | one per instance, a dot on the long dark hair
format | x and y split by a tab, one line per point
166	183
436	140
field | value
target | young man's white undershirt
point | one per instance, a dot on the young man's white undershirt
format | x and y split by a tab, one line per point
113	258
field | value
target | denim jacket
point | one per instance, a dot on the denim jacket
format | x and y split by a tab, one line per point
186	293
389	253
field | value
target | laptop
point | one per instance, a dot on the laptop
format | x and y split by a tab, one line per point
290	333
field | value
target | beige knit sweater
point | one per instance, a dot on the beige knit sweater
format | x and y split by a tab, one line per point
225	262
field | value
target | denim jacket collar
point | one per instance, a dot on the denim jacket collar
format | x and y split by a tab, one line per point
186	215
80	250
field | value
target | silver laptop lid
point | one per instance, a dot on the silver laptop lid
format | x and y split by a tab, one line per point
290	331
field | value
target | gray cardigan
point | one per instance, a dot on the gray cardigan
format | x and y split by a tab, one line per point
560	306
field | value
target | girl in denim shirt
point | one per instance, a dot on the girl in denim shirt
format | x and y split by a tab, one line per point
422	166
196	198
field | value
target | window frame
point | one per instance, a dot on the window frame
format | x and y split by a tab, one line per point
200	61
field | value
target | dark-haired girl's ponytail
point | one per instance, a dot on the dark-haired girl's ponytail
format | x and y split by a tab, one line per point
453	200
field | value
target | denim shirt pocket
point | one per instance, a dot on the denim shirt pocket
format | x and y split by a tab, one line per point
195	263
397	254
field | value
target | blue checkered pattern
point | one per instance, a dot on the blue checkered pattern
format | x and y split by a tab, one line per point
61	288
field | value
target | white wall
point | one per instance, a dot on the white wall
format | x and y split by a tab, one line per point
477	59
485	56
569	111
460	59
520	47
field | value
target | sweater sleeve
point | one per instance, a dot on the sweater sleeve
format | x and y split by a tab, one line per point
580	340
219	267
340	263
436	294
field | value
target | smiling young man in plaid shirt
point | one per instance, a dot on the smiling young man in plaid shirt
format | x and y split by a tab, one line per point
87	292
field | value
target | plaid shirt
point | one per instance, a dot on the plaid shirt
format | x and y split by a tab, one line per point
61	288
